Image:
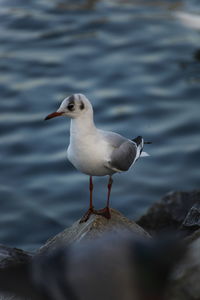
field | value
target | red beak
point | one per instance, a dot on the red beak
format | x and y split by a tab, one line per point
53	115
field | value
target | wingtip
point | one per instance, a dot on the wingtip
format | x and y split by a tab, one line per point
138	140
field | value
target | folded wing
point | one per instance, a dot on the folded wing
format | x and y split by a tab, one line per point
123	157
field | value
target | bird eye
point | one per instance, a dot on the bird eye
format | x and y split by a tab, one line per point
70	106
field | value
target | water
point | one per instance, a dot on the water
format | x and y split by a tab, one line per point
140	68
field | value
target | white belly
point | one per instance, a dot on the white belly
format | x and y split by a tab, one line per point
89	156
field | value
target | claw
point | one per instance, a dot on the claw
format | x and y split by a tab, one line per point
86	216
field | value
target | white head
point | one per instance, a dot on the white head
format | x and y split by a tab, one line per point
73	106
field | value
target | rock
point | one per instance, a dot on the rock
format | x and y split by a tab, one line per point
185	280
120	245
192	219
179	212
11	257
94	228
23	269
171	213
112	266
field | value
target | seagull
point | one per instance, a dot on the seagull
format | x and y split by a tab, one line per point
96	152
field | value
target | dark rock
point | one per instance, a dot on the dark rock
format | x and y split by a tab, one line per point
171	212
10	256
185	279
123	266
15	263
117	254
192	219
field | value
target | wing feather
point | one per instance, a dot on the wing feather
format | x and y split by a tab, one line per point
122	157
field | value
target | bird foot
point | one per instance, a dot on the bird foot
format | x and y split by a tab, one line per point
86	216
105	212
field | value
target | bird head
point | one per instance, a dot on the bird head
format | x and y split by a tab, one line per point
72	106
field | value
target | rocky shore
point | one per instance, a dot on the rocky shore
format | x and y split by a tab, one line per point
177	211
106	259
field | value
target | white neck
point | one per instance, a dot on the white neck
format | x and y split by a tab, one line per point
82	125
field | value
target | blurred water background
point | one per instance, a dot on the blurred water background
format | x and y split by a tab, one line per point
140	67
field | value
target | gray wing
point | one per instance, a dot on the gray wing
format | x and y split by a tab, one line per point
122	157
114	139
124	151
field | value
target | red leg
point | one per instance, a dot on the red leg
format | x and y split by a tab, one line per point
91	190
105	212
110	182
91	208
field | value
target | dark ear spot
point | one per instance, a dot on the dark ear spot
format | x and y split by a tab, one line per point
71	103
82	106
71	99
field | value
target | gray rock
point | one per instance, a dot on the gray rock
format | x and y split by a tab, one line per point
192	219
94	228
104	245
111	267
16	263
185	280
11	257
180	212
169	213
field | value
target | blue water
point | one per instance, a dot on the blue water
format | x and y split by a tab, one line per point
140	68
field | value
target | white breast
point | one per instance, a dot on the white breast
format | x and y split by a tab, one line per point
89	154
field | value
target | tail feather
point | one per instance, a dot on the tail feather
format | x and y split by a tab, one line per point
140	144
144	154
